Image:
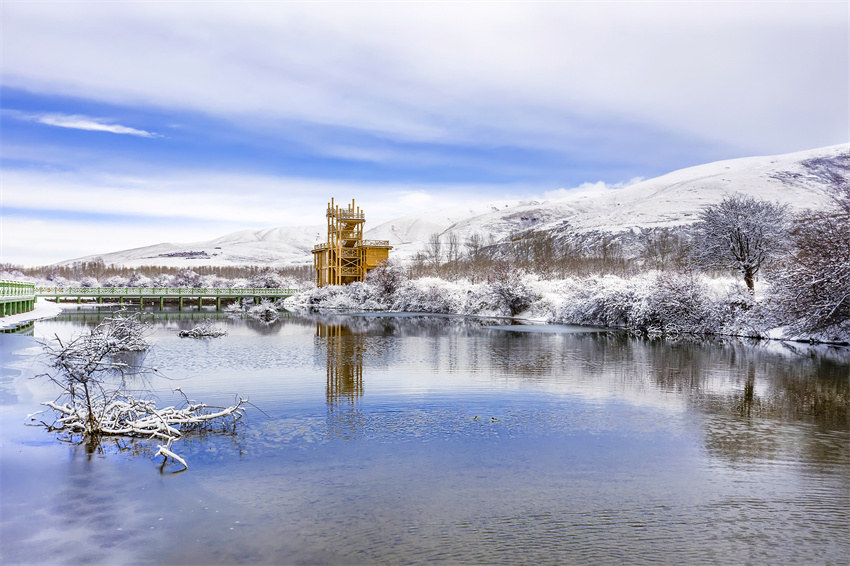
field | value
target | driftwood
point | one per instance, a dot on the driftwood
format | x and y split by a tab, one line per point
124	415
91	407
206	329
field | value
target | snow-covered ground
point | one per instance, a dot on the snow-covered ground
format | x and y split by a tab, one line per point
670	200
43	309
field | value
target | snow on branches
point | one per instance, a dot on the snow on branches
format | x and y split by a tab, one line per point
91	371
206	329
740	233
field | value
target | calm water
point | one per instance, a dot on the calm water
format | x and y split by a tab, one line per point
412	439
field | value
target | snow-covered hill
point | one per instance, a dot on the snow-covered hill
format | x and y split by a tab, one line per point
670	200
273	246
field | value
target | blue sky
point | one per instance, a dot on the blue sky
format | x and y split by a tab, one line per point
128	124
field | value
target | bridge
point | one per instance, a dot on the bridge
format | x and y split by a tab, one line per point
16	297
159	295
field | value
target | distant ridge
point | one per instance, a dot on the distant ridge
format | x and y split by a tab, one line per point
670	200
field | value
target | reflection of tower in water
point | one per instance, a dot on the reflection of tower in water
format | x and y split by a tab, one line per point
344	355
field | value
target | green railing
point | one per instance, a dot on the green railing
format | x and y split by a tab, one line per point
16	297
167	292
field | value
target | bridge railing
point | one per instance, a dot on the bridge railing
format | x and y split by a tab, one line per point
162	292
16	288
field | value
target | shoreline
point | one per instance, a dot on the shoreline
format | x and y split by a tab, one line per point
43	309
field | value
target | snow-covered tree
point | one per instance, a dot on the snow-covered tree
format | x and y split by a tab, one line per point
508	286
741	234
813	291
187	278
115	281
140	280
163	280
267	279
89	282
387	279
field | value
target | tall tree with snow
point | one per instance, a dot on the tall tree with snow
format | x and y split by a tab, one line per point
741	234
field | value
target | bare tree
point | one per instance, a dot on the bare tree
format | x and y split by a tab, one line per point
741	234
813	292
92	406
435	251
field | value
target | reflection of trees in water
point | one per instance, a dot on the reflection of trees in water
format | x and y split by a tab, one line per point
752	397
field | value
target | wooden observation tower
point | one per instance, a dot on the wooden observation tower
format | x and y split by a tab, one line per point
346	257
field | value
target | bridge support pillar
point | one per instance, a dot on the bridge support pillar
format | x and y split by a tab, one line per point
161	302
180	306
218	303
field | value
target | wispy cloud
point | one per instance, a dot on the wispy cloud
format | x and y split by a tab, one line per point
80	122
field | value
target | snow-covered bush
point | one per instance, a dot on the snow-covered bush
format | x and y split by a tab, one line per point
510	287
57	281
140	280
187	278
432	295
677	303
264	310
163	280
89	282
266	279
206	329
388	278
115	281
813	290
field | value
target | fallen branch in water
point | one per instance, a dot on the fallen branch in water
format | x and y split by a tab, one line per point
93	404
204	330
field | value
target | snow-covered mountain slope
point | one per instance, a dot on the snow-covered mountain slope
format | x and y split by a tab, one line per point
275	247
670	200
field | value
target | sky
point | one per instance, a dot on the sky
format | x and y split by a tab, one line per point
134	123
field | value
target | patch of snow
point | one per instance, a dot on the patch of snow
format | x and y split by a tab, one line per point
43	309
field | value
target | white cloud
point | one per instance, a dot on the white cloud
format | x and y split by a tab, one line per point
588	190
78	122
85	213
768	76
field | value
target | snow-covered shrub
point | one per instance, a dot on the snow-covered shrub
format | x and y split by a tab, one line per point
511	288
678	303
187	278
89	282
140	280
264	310
266	279
387	279
115	281
430	294
605	301
58	281
213	281
206	329
163	280
813	290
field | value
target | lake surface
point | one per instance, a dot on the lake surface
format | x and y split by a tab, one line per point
406	439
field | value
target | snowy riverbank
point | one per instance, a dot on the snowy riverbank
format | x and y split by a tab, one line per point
43	309
655	304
